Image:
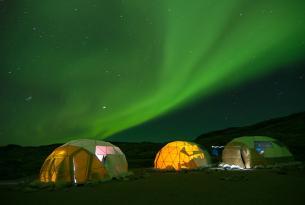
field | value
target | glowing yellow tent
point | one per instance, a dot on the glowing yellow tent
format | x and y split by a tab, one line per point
82	160
71	164
110	156
179	155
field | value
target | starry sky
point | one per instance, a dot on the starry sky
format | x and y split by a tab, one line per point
139	70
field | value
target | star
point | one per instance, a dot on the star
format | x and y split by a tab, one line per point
29	98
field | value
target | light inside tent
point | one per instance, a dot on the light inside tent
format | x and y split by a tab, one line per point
180	155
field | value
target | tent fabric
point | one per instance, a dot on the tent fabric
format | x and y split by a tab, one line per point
71	164
110	156
254	151
91	146
179	155
79	161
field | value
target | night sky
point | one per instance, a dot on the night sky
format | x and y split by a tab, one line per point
140	70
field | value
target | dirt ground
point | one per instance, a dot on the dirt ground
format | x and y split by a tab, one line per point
196	187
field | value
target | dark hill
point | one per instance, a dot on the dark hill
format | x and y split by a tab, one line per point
290	130
18	161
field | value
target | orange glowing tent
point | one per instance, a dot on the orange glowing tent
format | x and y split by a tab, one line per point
179	155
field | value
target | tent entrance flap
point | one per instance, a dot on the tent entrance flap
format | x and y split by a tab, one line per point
242	157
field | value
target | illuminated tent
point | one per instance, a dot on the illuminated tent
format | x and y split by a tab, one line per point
71	164
77	161
179	155
255	151
111	156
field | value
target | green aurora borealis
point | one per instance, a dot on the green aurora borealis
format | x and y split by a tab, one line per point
89	69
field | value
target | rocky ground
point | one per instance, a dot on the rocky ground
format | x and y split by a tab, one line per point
146	186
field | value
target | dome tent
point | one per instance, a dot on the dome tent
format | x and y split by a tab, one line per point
255	151
111	156
71	164
79	161
179	155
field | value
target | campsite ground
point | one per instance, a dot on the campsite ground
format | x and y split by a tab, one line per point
272	186
146	186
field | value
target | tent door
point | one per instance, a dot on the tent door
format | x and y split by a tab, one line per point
242	157
80	167
245	156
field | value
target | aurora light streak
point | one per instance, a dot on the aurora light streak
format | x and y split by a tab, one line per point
89	69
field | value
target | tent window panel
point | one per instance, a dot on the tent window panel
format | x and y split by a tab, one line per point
260	146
